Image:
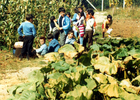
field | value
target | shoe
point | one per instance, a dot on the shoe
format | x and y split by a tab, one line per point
20	58
27	57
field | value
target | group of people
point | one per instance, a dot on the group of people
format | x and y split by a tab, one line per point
83	28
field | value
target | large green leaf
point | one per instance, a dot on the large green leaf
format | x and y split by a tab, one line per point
53	56
95	47
91	84
68	51
80	92
36	76
78	47
100	78
61	66
112	90
120	53
104	65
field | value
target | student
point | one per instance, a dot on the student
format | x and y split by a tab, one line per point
54	27
89	30
43	49
53	44
80	23
80	9
106	25
70	38
74	19
64	24
18	47
87	17
28	34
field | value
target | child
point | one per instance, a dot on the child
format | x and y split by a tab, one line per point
43	49
18	47
106	25
87	17
54	28
70	39
28	34
80	23
64	24
53	44
74	21
89	30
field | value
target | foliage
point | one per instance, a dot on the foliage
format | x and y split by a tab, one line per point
92	76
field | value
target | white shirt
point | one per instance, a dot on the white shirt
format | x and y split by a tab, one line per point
89	24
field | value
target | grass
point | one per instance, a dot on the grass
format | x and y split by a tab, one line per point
127	13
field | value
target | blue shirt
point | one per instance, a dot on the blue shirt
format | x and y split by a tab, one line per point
69	41
53	46
66	24
42	50
28	29
74	18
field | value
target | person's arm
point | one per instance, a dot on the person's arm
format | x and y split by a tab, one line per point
19	30
34	31
39	50
74	17
44	51
67	24
50	28
56	24
91	23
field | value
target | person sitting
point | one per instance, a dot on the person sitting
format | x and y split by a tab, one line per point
53	44
18	47
43	49
70	38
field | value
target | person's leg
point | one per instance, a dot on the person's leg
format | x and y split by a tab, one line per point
29	46
81	40
85	39
24	48
56	34
90	39
62	38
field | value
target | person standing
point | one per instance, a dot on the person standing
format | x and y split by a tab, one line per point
74	19
28	34
89	30
64	25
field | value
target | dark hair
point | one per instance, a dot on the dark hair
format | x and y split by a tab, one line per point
71	31
20	38
50	36
29	16
109	16
61	9
91	12
68	13
81	7
76	10
82	13
52	18
43	38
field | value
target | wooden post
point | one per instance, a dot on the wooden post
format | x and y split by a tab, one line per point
102	5
123	4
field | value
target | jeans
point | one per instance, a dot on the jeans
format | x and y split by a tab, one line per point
81	40
56	34
75	34
62	38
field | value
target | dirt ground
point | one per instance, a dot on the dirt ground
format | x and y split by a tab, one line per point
126	28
